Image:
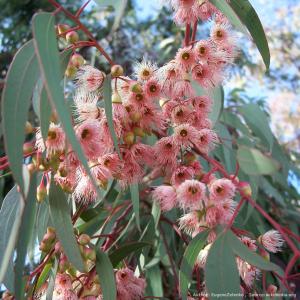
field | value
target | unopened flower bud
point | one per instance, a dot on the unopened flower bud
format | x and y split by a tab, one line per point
72	37
117	70
129	138
28	128
41	192
245	188
62	28
139	131
116	98
84	239
135	117
136	88
51	234
71	71
77	60
57	247
44	247
189	157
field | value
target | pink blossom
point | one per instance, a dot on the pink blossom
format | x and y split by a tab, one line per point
191	224
272	241
251	244
84	192
181	114
221	189
185	135
206	140
165	196
190	194
143	153
185	58
152	88
202	105
180	174
90	78
165	151
129	287
204	51
112	163
202	256
144	70
89	136
55	142
183	88
206	76
87	111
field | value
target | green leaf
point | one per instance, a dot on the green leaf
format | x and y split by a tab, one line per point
221	273
106	275
20	81
61	220
27	226
217	94
44	275
154	280
234	121
11	211
231	15
108	110
48	56
246	14
254	162
135	198
51	282
257	120
251	257
188	262
122	252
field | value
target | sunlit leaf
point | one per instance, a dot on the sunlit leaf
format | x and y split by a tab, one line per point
11	211
254	162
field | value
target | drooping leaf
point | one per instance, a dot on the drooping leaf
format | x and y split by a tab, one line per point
254	162
122	252
188	261
61	220
249	256
108	110
48	56
257	120
247	15
20	81
135	198
106	275
217	94
27	226
221	273
11	211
